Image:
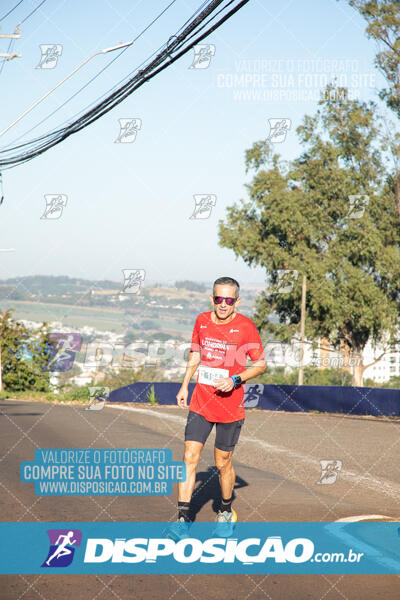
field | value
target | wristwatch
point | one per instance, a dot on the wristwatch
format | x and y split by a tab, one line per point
237	380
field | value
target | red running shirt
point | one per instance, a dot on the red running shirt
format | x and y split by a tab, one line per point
224	350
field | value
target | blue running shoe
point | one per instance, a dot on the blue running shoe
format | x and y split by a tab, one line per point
225	523
178	530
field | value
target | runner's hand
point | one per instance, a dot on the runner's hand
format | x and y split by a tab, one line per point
224	385
182	397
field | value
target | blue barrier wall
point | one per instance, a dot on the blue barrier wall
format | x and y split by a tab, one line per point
306	398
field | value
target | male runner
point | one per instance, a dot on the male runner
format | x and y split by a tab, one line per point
221	341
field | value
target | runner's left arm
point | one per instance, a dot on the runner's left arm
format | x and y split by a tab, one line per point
256	353
256	369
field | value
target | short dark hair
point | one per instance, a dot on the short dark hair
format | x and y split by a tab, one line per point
227	281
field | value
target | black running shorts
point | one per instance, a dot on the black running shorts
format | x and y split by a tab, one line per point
226	434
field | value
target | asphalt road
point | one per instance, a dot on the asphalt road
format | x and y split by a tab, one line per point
277	464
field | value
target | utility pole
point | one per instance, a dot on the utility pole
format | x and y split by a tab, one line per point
10	36
302	327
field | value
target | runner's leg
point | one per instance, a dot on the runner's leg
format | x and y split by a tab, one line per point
197	431
227	475
191	458
226	438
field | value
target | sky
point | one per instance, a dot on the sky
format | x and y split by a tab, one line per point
128	205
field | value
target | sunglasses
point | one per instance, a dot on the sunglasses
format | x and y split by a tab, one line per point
220	299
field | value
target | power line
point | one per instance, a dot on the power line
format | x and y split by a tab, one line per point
10	11
32	12
174	49
27	16
92	79
196	12
101	71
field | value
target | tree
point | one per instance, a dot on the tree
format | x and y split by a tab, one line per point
116	379
312	376
383	19
299	220
24	355
148	324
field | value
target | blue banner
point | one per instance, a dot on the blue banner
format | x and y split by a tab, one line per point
204	548
292	398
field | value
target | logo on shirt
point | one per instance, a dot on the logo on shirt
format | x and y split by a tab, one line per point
234	331
203	326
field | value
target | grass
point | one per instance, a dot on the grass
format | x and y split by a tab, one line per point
151	396
75	396
78	395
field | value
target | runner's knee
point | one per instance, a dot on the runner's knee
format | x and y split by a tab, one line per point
191	457
223	461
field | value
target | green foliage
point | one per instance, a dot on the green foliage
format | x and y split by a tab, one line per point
117	379
300	220
162	337
64	377
23	355
78	393
393	382
28	395
277	376
148	324
123	377
383	19
130	337
311	376
151	396
314	376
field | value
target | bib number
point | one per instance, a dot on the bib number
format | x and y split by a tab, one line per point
207	375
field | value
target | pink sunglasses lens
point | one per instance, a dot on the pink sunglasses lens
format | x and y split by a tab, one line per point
220	299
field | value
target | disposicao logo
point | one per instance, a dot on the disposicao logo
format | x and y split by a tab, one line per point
190	550
61	551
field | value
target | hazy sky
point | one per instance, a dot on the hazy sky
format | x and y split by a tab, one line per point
128	204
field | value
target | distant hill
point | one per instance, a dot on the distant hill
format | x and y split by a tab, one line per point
48	284
100	304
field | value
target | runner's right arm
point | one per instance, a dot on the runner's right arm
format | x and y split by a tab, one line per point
191	367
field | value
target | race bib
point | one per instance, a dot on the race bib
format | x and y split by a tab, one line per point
208	375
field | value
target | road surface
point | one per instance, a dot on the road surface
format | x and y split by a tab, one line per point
277	464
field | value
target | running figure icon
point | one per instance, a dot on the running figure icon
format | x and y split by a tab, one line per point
62	549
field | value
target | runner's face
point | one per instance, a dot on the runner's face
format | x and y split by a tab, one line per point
223	310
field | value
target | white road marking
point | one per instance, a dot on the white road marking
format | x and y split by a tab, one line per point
375	484
358	518
149	411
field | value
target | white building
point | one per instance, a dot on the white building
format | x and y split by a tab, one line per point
388	366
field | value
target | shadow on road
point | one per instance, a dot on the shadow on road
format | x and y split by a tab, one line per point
208	488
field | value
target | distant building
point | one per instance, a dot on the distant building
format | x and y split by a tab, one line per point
384	361
388	366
